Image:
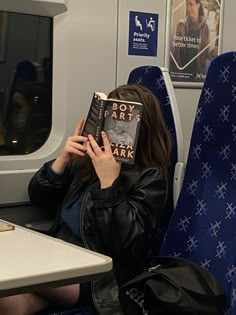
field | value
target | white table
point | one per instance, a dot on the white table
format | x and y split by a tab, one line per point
29	259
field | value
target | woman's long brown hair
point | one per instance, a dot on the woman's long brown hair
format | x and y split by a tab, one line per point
154	143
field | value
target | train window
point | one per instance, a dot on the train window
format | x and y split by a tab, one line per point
25	82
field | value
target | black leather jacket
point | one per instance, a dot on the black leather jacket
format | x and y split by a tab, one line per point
118	221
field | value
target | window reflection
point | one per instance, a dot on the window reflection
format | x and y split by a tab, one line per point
29	119
26	98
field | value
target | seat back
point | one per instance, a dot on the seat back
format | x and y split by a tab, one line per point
158	81
202	228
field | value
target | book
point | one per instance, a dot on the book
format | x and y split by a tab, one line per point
120	120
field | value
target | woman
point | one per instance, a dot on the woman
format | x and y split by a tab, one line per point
192	38
105	206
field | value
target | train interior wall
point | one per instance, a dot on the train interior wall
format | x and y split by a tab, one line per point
91	53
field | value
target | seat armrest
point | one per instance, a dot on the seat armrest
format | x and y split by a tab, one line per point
178	181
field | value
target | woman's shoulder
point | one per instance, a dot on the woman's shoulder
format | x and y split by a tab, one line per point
206	22
182	26
183	22
153	172
132	178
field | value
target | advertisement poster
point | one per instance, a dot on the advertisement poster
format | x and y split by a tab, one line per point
194	39
143	28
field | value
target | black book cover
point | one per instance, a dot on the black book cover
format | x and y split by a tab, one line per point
120	120
94	121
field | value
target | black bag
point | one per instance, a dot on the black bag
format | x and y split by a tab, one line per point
173	286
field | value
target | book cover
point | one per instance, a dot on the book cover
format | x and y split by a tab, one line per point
94	121
120	120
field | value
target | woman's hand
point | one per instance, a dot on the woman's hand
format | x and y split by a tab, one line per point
105	165
74	145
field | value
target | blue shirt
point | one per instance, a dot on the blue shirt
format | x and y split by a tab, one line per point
70	213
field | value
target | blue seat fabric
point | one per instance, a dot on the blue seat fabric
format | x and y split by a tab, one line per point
203	226
152	78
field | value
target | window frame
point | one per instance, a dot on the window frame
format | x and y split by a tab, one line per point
16	169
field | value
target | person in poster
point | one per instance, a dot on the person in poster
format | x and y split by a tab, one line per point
194	39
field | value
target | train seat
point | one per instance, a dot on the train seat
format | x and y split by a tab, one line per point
158	81
202	228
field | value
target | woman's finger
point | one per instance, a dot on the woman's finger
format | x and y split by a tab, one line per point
93	144
90	152
79	127
106	143
73	150
80	139
77	146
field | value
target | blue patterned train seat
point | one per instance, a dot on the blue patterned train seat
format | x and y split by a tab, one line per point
153	78
158	81
203	226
